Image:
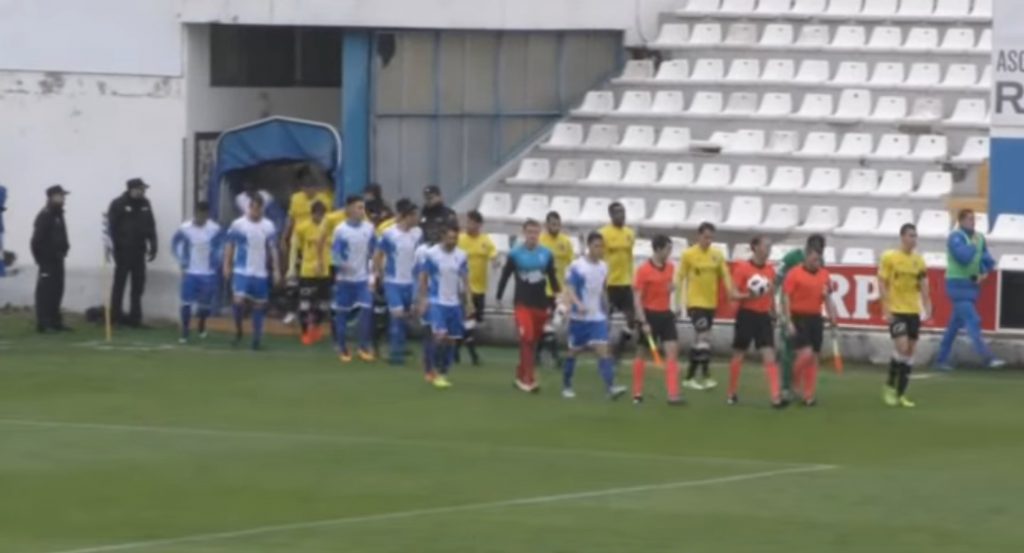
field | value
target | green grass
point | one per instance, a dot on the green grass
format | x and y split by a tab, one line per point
151	441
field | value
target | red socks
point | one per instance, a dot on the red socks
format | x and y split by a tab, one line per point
734	374
672	378
771	371
806	374
638	376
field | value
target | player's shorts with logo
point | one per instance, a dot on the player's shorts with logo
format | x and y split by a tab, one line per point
753	327
198	289
315	290
905	324
349	295
251	287
587	333
702	319
663	325
446	320
810	332
399	296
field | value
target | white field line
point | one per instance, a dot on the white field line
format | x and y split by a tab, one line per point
390	441
414	513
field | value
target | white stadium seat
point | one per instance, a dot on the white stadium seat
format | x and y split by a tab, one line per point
640	174
934	260
569	170
603	172
737	7
667	102
744	70
637	70
782	143
969	113
925	110
924	75
750	177
676	175
642	250
565	135
746	141
845	7
636	208
933	223
982	8
985	81
595	103
637	138
815	107
713	176
892	146
530	206
813	71
820	218
706	103
854	105
745	213
502	242
706	34
953	10
672	35
777	35
975	150
930	147
960	75
601	137
566	206
859	221
531	171
741	35
772	8
780	218
671	71
916	8
1011	262
858	256
860	182
849	37
634	102
721	139
818	144
958	40
722	247
667	214
889	109
779	70
775	105
922	39
708	69
786	180
885	39
495	205
673	139
855	145
895	183
887	74
879	9
934	184
594	211
812	37
823	181
710	212
892	220
741	252
853	73
1008	228
702	7
829	256
809	8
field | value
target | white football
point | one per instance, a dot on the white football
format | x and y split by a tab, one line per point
758	286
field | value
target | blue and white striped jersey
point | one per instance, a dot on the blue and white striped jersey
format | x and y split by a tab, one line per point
587	280
445	273
253	241
352	249
198	249
399	247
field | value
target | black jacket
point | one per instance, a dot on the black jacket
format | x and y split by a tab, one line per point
132	226
50	236
434	219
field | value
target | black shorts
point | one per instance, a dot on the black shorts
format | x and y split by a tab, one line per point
621	300
663	326
315	290
905	324
479	301
702	319
755	328
810	332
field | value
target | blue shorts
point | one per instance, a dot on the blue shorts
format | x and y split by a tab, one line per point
399	296
446	320
251	287
350	295
584	334
198	289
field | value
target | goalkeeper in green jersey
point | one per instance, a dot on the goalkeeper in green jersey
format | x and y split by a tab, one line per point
790	260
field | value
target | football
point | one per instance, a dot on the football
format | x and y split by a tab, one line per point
757	285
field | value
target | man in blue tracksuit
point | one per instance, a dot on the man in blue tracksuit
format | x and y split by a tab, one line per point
968	262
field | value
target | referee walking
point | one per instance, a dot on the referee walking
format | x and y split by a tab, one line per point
49	248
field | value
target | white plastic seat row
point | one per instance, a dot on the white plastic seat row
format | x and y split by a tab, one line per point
1008	228
902	10
852	146
818	37
805	72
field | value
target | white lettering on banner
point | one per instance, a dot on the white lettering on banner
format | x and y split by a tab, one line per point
865	292
840	287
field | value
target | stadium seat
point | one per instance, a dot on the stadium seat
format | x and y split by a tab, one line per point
672	35
1008	228
595	104
933	223
934	260
891	146
642	250
569	170
958	40
889	109
706	103
565	136
786	180
844	7
531	206
722	247
823	181
885	39
878	9
745	213
710	212
781	218
502	242
637	138
1011	262
860	182
709	70
849	37
634	102
676	175
813	71
701	7
741	104
673	71
740	35
746	141
975	150
934	184
887	74
916	9
495	205
820	218
741	252
667	102
860	221
779	251
970	113
744	70
593	212
667	214
960	75
640	174
930	147
779	71
829	255
984	45
737	7
603	172
637	71
812	37
808	8
853	73
750	177
706	34
531	171
775	105
982	9
636	208
815	107
985	81
568	207
921	40
772	8
855	145
713	176
782	143
895	184
777	35
601	137
673	139
577	249
818	144
892	220
925	110
858	256
924	75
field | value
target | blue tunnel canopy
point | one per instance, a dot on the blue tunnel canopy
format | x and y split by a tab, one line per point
274	139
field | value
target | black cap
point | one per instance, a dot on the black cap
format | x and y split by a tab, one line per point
432	190
136	183
56	189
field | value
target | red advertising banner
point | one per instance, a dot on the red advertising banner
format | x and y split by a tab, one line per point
857	298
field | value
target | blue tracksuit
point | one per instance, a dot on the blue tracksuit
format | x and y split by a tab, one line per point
963	294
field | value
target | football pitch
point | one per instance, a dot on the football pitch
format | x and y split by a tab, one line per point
153	447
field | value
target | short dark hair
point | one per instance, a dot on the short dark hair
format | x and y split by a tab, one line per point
815	241
451	227
202	207
812	249
660	241
705	227
318	206
756	241
552	215
907	227
594	236
374	190
256	198
353	199
475	216
530	223
963	213
615	205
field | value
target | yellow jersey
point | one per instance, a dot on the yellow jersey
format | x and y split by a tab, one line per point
703	270
335	218
480	250
903	275
300	206
311	249
618	254
561	251
385	225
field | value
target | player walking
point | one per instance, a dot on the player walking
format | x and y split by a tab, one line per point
701	269
586	280
534	269
197	246
618	250
352	248
561	249
903	281
444	286
308	258
806	290
754	281
792	259
480	254
251	239
652	290
394	265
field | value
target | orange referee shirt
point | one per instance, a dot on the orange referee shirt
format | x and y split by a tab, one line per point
741	275
654	284
806	290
